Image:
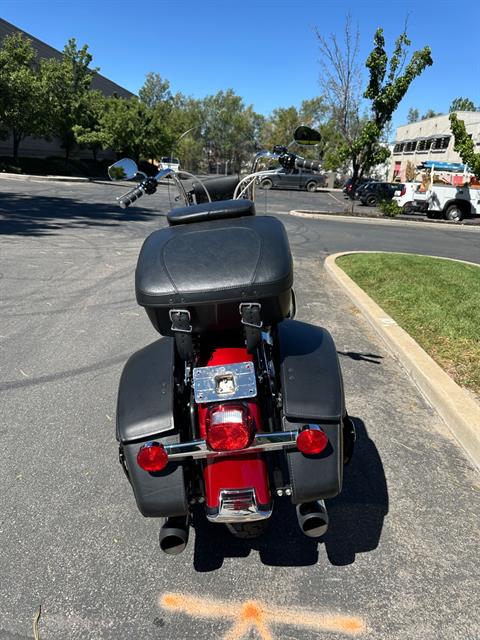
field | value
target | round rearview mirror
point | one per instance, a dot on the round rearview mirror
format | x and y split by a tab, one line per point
306	136
124	169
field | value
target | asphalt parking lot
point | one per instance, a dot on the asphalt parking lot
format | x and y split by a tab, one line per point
398	560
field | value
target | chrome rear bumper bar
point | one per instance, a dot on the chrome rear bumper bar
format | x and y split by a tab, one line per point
239	505
198	449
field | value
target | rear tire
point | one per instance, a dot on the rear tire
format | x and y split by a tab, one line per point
371	201
408	207
266	184
248	530
311	186
454	213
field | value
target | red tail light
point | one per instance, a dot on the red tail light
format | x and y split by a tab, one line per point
229	427
312	440
403	191
152	457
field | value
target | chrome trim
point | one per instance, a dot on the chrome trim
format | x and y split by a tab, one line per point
198	449
238	505
242	375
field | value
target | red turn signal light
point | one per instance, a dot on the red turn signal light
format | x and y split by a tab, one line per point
312	440
229	428
152	457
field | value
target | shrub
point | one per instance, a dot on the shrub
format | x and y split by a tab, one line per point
389	208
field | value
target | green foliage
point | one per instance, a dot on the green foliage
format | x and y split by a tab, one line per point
126	126
154	91
462	104
389	80
230	129
430	113
91	132
413	115
464	145
66	85
22	111
389	208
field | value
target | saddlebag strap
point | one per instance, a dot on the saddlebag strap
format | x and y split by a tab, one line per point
252	323
182	330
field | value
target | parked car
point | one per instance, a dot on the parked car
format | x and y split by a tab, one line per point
404	196
347	187
375	192
360	189
169	163
295	179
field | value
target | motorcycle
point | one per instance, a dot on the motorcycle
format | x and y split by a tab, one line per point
237	404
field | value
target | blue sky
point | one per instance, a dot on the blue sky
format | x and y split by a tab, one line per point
266	50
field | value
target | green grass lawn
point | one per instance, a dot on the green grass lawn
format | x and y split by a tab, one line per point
436	301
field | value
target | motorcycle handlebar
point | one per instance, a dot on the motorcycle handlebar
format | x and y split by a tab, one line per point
128	198
300	163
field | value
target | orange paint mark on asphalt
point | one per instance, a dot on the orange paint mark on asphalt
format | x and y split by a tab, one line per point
258	616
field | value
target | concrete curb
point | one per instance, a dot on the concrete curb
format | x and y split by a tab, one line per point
30	178
27	178
363	219
458	409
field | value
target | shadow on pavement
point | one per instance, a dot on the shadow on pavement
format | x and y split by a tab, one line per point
356	521
357	514
42	215
366	357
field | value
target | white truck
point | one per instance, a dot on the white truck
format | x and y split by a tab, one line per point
452	202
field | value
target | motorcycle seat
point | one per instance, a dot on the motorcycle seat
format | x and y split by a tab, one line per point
222	209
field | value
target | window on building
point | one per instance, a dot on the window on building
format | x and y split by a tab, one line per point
440	144
398	148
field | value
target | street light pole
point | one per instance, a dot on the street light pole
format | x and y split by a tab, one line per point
182	136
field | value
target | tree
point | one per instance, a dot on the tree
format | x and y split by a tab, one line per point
389	80
464	145
430	113
279	127
126	127
92	133
154	90
66	84
231	129
413	115
462	104
410	171
186	124
21	107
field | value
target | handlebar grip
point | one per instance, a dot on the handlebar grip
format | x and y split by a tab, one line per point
314	165
128	198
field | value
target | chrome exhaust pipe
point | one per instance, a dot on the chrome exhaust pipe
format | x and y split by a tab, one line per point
174	535
313	518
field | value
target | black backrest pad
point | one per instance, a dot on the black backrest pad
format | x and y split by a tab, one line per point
218	187
242	259
211	211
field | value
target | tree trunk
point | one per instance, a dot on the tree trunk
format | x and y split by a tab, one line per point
17	138
355	168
